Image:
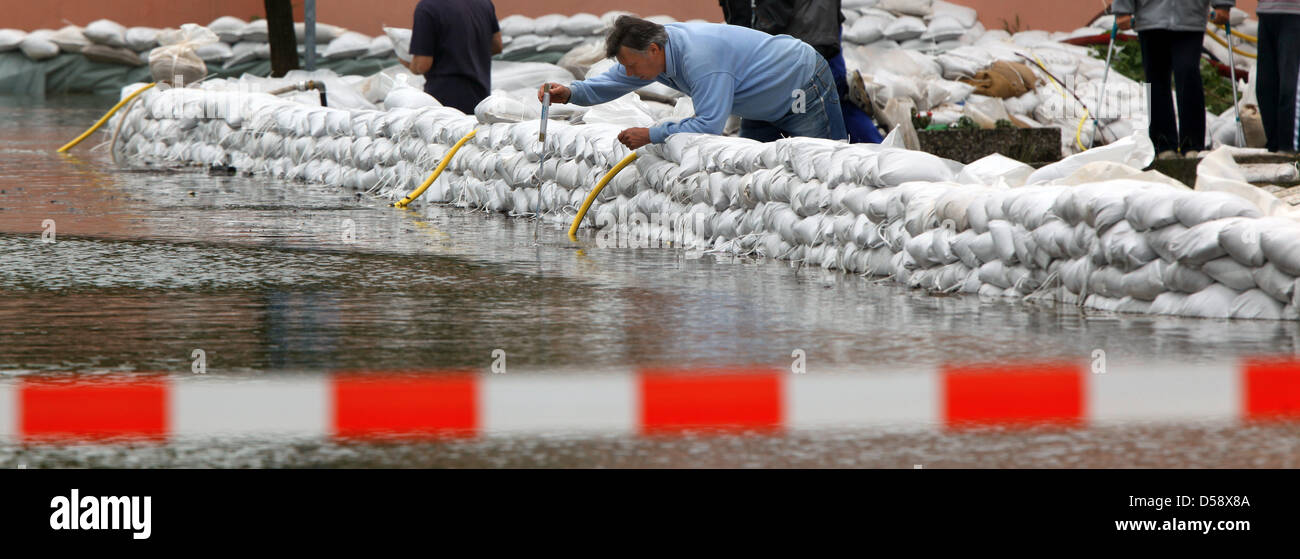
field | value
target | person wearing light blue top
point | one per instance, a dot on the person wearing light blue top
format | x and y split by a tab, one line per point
778	85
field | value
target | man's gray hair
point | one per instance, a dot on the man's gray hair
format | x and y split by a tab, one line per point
634	33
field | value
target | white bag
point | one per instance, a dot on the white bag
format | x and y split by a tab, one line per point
228	28
348	45
11	38
106	32
141	39
401	39
178	58
38	46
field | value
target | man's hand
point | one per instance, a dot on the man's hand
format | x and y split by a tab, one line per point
559	93
1221	16
1125	21
634	137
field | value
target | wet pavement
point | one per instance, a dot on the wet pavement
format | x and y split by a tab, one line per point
280	279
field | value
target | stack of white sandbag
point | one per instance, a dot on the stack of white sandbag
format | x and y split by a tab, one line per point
558	33
1091	230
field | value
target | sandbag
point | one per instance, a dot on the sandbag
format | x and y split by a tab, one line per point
70	39
1003	79
401	40
106	32
11	38
38	46
178	61
582	24
348	45
112	55
1281	247
141	39
228	28
215	52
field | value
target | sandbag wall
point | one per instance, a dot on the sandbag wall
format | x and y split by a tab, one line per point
1122	245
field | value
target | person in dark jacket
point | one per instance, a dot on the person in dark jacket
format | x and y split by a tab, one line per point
1170	33
1278	66
452	43
816	22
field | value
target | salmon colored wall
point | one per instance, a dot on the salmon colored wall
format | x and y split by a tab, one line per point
367	16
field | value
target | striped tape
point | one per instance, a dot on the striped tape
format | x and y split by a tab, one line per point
648	402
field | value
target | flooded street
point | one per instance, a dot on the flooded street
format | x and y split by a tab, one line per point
119	275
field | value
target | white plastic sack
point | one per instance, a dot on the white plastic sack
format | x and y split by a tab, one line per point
141	39
254	31
409	98
70	39
582	24
348	45
401	39
1218	172
1136	151
179	58
380	47
106	32
38	46
905	28
11	38
515	25
228	28
988	169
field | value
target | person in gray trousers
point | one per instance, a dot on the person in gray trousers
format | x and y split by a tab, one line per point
1277	69
1170	33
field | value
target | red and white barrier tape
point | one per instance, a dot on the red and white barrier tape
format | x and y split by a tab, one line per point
649	402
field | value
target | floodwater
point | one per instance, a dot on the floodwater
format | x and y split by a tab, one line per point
270	279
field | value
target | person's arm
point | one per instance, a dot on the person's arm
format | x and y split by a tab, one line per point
497	46
713	98
1222	11
419	64
424	39
1123	11
604	88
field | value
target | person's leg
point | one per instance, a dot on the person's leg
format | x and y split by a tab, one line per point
759	130
818	115
1185	57
1267	76
1155	65
860	127
1288	91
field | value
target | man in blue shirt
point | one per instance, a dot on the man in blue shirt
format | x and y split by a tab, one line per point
452	43
778	85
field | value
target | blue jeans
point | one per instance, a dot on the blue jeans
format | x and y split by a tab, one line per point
860	126
819	117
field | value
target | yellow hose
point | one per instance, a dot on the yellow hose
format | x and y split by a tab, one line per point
1078	133
1221	41
105	118
591	197
434	175
1240	35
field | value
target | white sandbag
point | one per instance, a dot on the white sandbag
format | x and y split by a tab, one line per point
582	24
70	38
515	25
1208	206
919	8
228	28
964	15
215	52
1136	151
1218	172
1282	248
348	45
324	32
380	47
401	39
548	25
409	98
141	39
1229	272
247	51
510	76
904	28
943	28
11	38
1215	301
1145	283
178	58
1200	244
1278	284
1256	304
866	30
990	168
895	167
1152	208
106	32
1241	238
38	46
254	31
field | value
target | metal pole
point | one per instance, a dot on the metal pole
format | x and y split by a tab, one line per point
309	18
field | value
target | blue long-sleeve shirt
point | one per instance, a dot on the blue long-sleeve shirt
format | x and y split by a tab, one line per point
725	69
